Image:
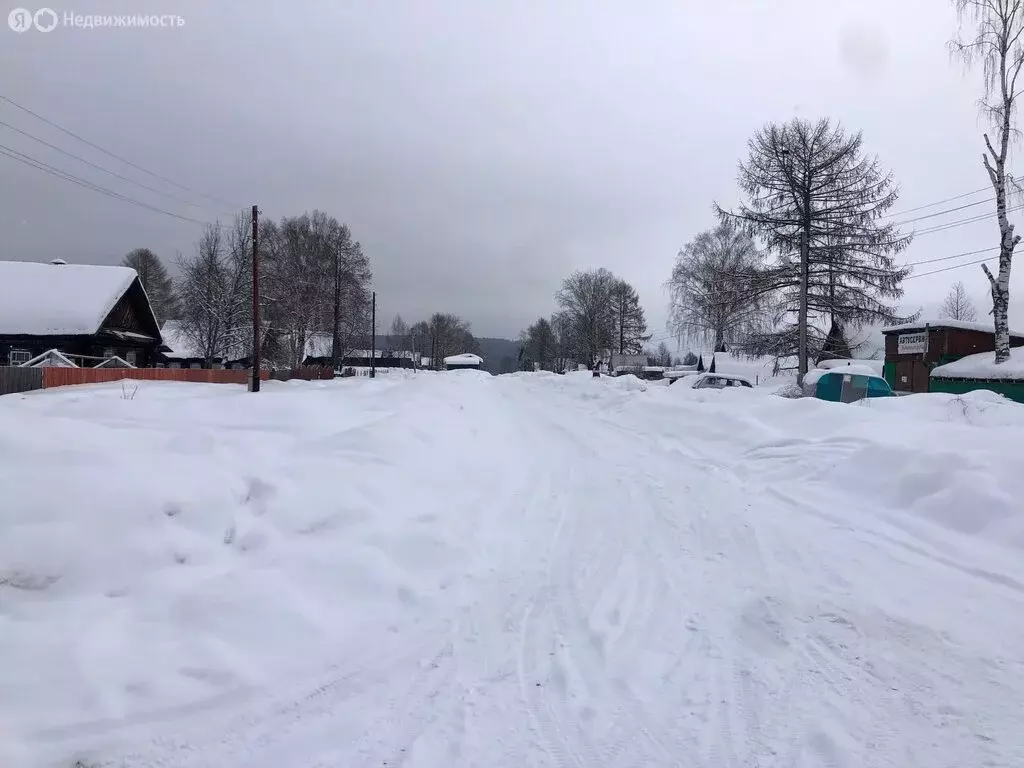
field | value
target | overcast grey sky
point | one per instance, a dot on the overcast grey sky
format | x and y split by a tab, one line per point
480	149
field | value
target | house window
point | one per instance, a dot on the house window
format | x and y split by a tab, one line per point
18	356
108	353
131	356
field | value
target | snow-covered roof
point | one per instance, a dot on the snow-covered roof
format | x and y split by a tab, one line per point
466	358
855	369
114	362
983	366
319	344
51	358
959	325
182	348
58	299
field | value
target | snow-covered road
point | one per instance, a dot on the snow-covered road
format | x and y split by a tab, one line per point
459	570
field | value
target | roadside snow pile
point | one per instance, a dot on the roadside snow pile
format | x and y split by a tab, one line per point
983	366
950	460
199	541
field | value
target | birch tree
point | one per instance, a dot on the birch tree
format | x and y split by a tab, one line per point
958	305
710	293
997	44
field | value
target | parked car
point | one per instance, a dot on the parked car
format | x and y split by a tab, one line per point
719	381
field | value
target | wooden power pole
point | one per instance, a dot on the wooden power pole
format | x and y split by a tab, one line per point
373	336
254	384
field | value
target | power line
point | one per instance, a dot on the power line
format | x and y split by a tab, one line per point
955	266
963	222
941	213
39	165
115	156
101	168
939	202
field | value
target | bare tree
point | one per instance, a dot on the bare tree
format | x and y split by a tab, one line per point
585	300
539	346
560	332
958	305
629	320
398	339
998	45
351	277
816	201
449	335
711	298
213	293
663	355
156	280
316	277
419	340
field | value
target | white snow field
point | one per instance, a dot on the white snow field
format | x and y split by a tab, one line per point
529	570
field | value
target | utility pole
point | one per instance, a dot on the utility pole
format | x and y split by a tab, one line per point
254	384
373	336
433	350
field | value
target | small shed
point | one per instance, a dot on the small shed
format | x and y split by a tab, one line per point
981	372
464	362
913	350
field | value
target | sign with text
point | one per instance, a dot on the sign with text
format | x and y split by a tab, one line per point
912	343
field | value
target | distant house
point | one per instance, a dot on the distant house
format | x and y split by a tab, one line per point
179	351
318	353
465	361
87	313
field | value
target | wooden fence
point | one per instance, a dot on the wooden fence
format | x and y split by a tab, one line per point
16	379
62	377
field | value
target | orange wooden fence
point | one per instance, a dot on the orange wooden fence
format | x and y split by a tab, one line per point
61	377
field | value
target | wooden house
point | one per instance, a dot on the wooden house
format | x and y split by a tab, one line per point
88	313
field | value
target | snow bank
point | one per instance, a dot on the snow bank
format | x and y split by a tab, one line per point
983	366
199	541
951	462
